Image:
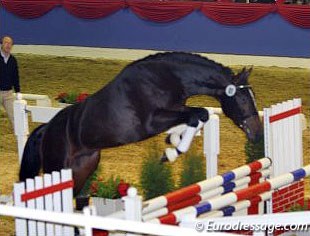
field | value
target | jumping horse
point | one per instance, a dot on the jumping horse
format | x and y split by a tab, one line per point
146	98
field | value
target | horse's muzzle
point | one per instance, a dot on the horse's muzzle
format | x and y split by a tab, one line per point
253	128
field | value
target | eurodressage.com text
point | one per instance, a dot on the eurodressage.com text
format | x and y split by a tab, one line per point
210	226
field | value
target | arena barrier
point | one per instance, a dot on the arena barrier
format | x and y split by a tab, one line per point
236	179
42	112
40	100
283	135
297	223
44	206
50	192
228	203
42	192
283	124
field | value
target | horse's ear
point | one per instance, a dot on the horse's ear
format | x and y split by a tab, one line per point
242	77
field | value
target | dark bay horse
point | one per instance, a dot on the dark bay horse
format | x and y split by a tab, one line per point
146	98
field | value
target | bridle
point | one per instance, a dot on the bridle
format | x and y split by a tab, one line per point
231	90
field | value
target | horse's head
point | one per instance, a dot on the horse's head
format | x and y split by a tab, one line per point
238	103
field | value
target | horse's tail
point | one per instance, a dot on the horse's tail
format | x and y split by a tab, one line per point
31	161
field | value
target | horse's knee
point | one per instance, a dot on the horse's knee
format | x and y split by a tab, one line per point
198	114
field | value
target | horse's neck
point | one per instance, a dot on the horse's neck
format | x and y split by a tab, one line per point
209	84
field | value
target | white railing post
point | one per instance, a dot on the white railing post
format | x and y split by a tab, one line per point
32	225
211	144
67	196
48	199
298	128
20	224
57	201
88	229
21	126
39	201
133	206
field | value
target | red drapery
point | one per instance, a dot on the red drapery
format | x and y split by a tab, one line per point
29	9
296	14
236	14
92	9
164	11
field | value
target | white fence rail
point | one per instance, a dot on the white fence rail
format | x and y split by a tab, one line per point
41	100
267	221
89	222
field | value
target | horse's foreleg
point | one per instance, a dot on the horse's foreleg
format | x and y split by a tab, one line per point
174	134
196	121
83	165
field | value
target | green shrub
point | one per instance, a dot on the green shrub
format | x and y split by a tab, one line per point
193	169
156	178
254	151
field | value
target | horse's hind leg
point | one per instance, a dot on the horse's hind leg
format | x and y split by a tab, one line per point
83	165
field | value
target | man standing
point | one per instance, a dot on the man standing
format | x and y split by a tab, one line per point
9	77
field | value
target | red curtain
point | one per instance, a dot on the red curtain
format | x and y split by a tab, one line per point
236	14
93	9
29	9
296	14
162	11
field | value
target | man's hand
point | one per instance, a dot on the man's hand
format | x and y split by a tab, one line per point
19	96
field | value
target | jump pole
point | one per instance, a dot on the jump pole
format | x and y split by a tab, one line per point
203	186
240	195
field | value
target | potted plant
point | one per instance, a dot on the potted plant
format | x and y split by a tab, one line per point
106	195
67	99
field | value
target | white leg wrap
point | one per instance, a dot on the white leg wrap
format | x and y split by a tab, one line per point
175	139
179	129
171	154
188	137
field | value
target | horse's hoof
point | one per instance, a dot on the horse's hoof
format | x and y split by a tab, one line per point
170	155
164	159
168	139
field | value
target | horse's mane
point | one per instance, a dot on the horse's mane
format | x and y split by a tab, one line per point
183	57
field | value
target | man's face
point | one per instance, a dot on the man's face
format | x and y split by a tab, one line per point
7	44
